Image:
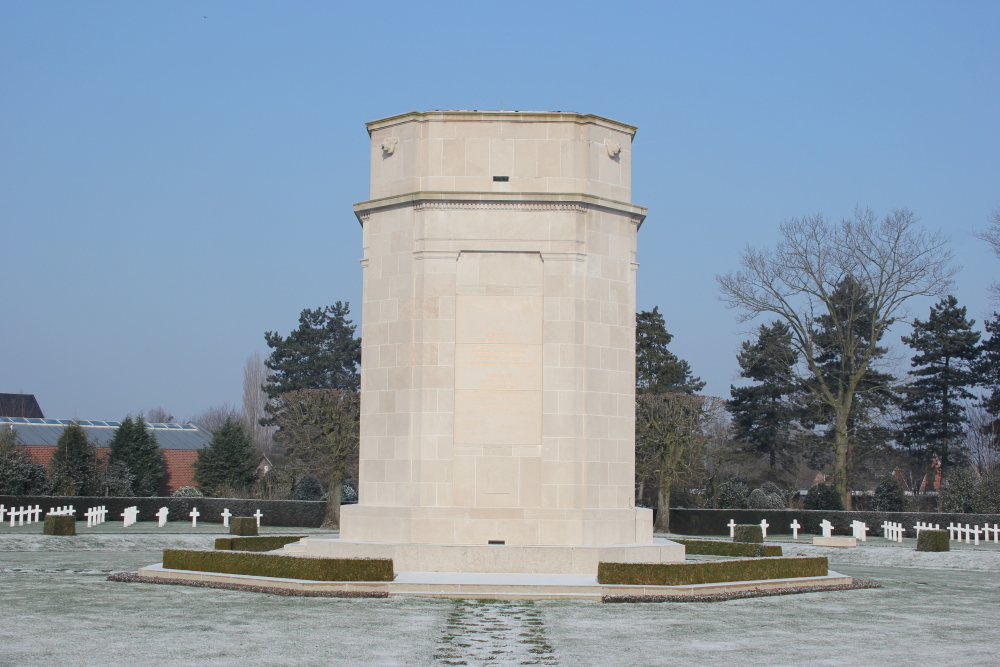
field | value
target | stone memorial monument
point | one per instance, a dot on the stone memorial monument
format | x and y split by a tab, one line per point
498	358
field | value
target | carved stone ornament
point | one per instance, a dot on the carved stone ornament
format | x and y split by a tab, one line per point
389	145
614	148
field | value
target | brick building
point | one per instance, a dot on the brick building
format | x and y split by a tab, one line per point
178	442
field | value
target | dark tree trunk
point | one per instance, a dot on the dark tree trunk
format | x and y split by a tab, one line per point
332	519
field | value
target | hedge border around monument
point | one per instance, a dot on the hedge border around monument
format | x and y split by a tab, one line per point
261	543
709	572
933	540
734	549
277	513
689	521
276	565
59	525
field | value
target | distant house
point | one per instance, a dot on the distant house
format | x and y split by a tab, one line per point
264	467
179	442
20	405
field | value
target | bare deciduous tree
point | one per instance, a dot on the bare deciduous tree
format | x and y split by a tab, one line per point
891	260
214	417
158	415
982	441
255	399
992	236
320	426
670	434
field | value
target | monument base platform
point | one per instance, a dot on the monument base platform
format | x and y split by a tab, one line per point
492	558
494	586
835	541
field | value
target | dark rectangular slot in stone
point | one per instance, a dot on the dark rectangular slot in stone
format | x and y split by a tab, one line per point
496	541
501	179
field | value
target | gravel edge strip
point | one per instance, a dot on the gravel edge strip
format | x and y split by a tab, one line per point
739	595
131	578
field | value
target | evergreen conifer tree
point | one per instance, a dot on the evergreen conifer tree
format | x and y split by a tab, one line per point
657	369
230	460
987	367
321	354
134	446
74	467
19	475
763	412
946	345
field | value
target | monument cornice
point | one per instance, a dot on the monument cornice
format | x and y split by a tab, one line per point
453	116
515	201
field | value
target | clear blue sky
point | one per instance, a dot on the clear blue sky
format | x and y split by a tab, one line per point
177	178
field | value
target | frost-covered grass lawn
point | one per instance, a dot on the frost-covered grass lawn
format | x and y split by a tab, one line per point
58	609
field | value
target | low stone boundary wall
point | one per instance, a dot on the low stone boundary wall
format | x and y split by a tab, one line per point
686	521
302	513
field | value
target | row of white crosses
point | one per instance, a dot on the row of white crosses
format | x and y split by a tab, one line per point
893	531
96	516
131	515
194	514
956	532
21	515
65	510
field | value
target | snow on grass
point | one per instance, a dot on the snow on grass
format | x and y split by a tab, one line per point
934	609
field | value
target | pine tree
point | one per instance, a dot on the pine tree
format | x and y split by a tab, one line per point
229	462
321	354
657	369
987	367
19	475
946	345
763	412
74	467
135	446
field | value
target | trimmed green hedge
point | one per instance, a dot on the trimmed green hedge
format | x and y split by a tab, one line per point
275	565
735	549
751	533
933	540
709	572
60	525
243	525
263	543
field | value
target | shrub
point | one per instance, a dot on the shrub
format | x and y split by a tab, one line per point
988	494
265	543
933	540
243	525
708	572
276	565
188	492
734	549
753	534
733	495
60	525
309	488
229	460
889	496
823	497
761	499
958	493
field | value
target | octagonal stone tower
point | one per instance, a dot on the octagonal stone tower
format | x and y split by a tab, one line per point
498	332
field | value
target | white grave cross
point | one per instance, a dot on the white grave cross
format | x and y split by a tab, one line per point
91	515
827	528
194	514
36	513
976	533
860	530
162	516
258	514
795	529
225	517
764	525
